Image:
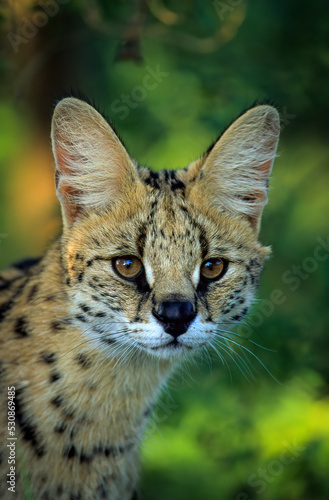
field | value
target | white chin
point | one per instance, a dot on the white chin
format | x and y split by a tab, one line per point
170	350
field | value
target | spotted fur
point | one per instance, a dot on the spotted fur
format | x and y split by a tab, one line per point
81	344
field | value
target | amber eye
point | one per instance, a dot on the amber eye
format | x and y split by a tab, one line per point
212	268
128	266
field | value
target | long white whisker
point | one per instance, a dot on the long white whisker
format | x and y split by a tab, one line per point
248	340
243	361
254	355
223	360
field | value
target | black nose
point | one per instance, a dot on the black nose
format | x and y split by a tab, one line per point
175	317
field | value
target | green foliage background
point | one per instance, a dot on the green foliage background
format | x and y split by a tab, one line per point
214	434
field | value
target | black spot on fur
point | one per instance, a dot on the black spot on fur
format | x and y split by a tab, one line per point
60	428
98	257
48	357
152	180
57	401
60	490
27	426
83	360
54	377
21	327
228	308
57	325
32	293
85	458
40	451
255	263
108	341
176	183
5	308
135	496
85	308
184	209
113	451
82	318
100	315
70	451
80	276
96	242
108	450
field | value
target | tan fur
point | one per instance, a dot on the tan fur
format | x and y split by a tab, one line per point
79	343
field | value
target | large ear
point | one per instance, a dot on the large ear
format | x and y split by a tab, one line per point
93	168
234	175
